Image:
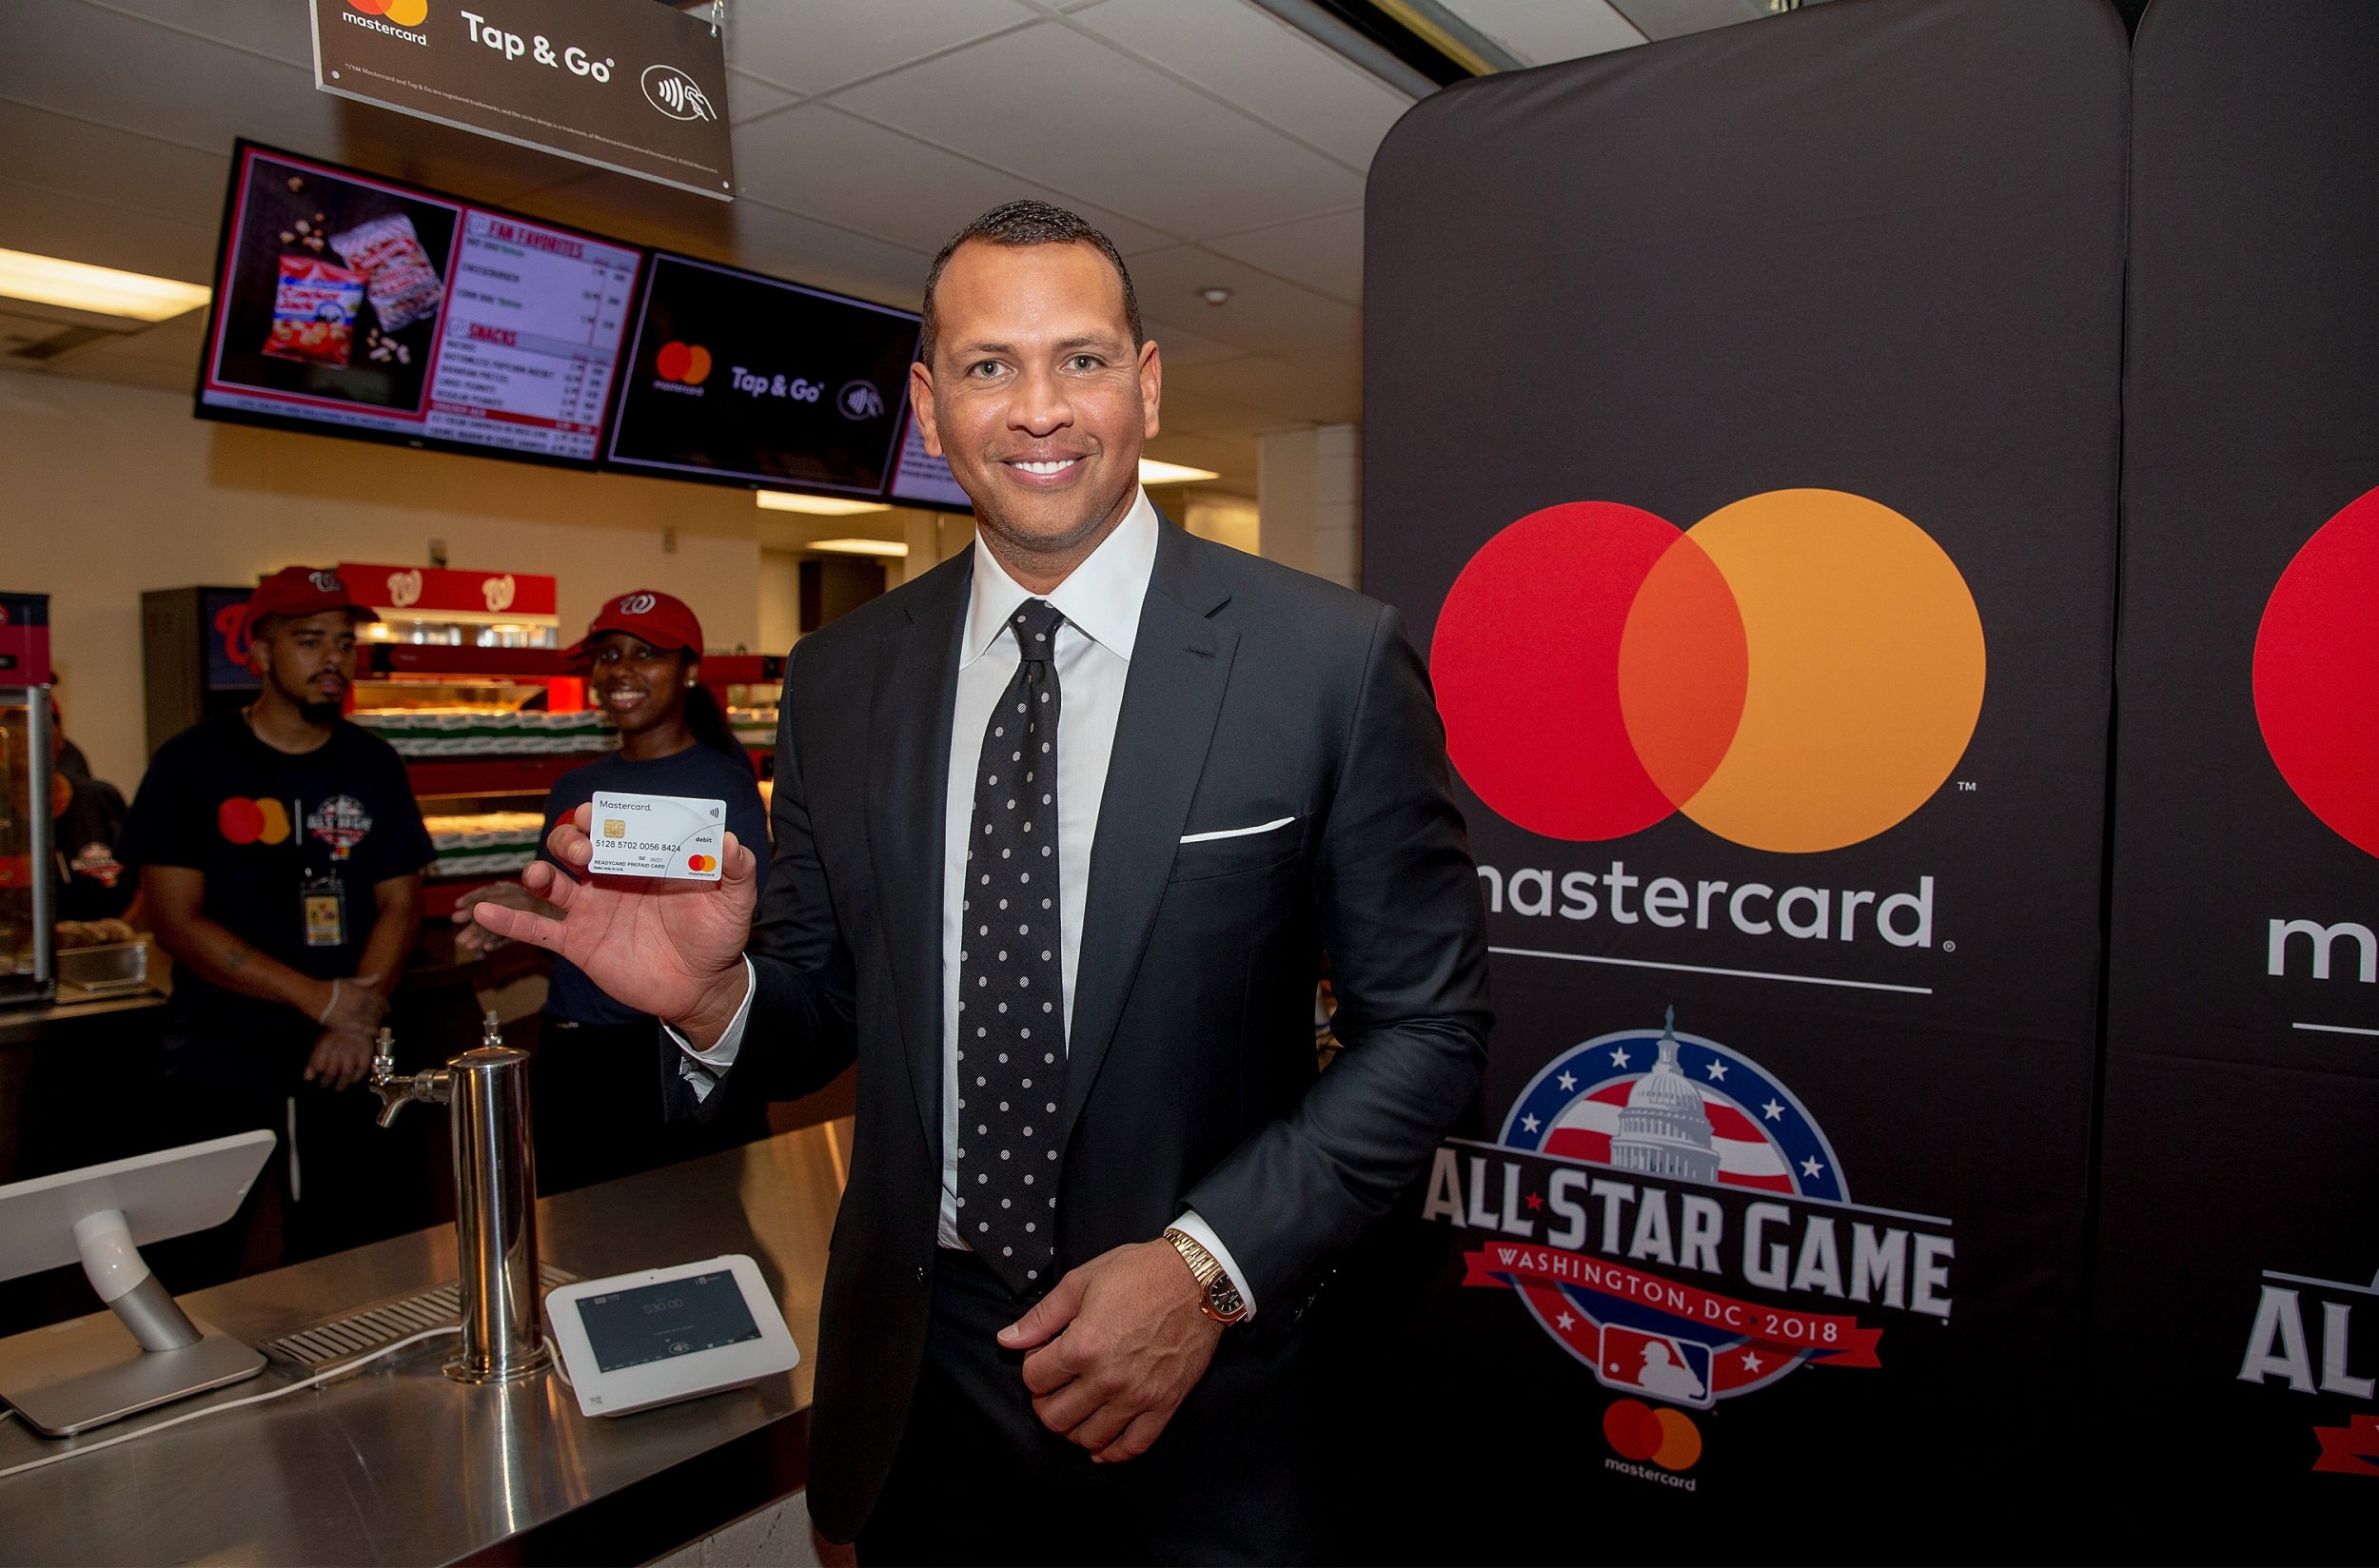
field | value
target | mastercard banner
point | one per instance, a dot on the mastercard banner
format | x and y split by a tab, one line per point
2239	1242
1742	451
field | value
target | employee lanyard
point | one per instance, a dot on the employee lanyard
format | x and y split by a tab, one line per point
322	894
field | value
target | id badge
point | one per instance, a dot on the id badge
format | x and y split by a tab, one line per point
324	902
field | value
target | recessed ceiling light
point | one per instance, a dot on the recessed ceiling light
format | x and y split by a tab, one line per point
817	506
103	291
1214	296
860	547
1153	472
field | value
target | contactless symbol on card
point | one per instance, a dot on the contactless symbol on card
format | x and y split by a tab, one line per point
658	835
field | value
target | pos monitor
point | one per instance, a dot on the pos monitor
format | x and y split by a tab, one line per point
83	1374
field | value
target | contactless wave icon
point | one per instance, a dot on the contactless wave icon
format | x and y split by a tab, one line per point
1798	671
2316	673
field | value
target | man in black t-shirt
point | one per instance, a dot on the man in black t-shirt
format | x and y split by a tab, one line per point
281	852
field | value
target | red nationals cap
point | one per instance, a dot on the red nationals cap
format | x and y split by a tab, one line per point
658	618
301	591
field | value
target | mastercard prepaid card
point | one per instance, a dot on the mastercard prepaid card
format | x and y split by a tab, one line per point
658	835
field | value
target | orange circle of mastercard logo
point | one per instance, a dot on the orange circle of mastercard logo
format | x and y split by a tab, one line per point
405	13
1798	671
2317	674
1666	1438
701	863
687	362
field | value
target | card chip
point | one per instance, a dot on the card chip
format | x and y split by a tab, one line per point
615	828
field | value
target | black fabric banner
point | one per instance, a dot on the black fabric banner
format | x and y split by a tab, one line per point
2238	1318
1742	447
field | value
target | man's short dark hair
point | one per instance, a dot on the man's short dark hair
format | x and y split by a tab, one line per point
1031	223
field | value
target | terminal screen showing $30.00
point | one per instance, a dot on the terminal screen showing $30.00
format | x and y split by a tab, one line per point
653	1323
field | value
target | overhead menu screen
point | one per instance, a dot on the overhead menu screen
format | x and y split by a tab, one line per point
356	306
739	378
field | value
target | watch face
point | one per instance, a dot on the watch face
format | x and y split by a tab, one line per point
1227	1301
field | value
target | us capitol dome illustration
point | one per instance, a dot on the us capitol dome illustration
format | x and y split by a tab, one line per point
1662	1129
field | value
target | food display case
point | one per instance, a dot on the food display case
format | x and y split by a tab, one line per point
27	943
463	675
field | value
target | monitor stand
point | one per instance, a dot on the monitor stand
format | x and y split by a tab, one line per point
97	1369
88	1372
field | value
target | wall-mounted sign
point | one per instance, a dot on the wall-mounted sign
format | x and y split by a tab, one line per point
625	84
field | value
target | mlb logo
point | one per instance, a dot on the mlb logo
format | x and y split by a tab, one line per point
1655	1365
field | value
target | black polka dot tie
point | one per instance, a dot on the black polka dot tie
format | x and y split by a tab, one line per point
1012	1004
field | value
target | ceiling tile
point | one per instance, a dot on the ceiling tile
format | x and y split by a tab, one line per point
1055	106
1541	31
809	46
137	172
49	221
1324	254
748	95
1180	345
1264	315
785	245
276	28
121	71
1255	59
851	172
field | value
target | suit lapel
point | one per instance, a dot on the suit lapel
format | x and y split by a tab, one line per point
917	689
1180	666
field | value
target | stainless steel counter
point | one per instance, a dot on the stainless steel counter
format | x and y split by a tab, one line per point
399	1464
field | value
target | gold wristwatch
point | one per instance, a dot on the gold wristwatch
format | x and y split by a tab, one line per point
1218	1298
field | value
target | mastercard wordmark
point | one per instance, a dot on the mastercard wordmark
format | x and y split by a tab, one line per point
2317	674
1797	672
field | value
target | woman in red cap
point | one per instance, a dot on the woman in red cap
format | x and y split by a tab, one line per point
597	1104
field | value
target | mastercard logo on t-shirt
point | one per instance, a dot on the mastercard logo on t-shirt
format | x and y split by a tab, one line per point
245	821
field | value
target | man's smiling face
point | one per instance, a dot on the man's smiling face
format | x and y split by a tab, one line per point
1037	397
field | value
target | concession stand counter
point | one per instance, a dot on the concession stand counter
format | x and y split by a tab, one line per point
402	1464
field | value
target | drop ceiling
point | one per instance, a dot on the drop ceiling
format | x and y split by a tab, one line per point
1219	144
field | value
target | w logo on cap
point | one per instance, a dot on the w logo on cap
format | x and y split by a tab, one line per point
637	604
326	582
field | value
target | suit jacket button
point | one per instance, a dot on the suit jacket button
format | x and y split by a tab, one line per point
920	1273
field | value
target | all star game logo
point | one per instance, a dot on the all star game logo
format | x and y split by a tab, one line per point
1674	1218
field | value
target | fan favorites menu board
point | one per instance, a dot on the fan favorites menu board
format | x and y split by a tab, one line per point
384	309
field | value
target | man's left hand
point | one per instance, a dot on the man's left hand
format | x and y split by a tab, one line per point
1121	1341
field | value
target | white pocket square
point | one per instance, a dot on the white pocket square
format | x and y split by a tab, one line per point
1236	833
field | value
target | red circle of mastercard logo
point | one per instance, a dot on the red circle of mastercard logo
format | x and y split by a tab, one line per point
1796	672
686	362
2317	674
701	863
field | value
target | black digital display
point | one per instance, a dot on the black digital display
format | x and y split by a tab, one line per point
657	1322
350	305
743	379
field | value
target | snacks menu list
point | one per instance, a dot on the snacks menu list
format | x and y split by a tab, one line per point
379	309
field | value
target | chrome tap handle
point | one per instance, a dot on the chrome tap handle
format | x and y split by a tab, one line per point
490	1031
396	1092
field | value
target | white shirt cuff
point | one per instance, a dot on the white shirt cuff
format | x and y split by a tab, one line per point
1202	1233
703	1067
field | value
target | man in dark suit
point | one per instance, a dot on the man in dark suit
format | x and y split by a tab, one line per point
1063	830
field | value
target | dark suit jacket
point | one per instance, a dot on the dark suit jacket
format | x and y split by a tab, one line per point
1256	693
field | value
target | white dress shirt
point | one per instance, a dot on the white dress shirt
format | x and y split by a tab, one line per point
1101	601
